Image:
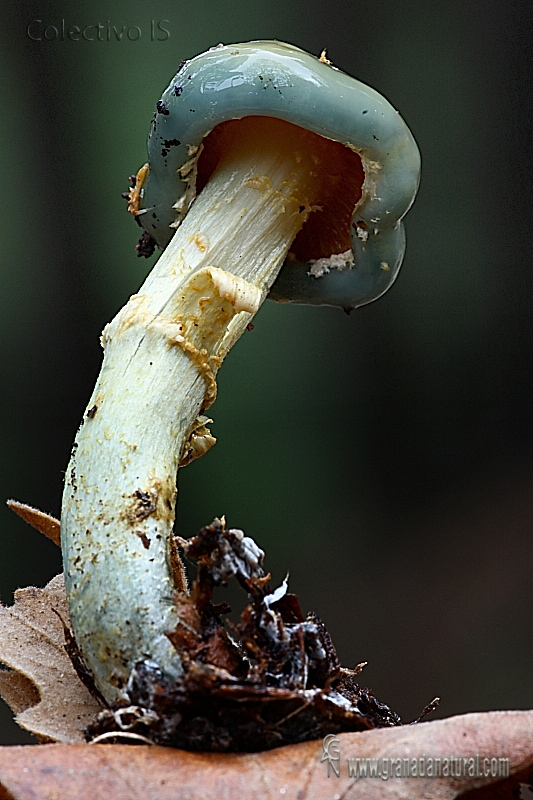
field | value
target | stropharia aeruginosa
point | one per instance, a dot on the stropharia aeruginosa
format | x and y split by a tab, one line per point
269	171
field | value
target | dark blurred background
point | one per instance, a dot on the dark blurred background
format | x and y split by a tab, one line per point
384	459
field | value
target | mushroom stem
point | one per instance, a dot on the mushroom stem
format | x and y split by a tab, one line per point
162	353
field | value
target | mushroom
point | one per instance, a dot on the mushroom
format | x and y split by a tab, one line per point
269	171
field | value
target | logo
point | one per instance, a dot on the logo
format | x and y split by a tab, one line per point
332	754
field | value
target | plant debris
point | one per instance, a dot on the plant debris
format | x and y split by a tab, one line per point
272	679
40	683
44	523
145	246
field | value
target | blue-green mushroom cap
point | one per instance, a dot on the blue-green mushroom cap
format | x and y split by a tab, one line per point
278	80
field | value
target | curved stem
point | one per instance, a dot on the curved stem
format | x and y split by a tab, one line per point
162	352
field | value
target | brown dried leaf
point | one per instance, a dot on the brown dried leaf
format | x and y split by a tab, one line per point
44	523
58	706
18	691
97	772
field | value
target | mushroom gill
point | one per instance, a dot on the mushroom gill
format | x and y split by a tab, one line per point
335	177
